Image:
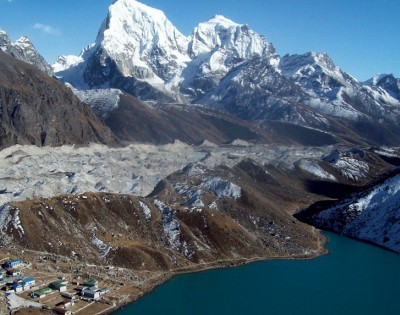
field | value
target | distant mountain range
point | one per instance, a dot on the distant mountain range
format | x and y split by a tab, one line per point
228	66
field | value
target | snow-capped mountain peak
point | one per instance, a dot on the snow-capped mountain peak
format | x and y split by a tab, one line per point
65	62
141	40
222	33
24	41
221	20
5	42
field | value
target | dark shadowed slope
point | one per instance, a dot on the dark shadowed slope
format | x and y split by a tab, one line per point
36	109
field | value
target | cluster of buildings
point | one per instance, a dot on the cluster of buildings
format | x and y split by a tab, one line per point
88	291
10	268
11	276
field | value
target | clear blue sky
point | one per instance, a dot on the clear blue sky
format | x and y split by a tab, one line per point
361	36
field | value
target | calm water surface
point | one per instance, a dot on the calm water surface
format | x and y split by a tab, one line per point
356	278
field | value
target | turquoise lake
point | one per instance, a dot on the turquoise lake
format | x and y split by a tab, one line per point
355	278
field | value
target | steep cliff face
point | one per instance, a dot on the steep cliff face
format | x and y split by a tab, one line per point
36	109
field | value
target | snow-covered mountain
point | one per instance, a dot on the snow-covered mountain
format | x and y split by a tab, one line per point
138	49
335	92
24	50
372	214
216	47
324	81
227	65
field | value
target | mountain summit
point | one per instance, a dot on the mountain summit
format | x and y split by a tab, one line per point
142	41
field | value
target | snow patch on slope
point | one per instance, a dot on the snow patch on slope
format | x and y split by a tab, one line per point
315	169
5	220
146	210
217	186
103	248
171	225
388	152
222	188
17	223
349	163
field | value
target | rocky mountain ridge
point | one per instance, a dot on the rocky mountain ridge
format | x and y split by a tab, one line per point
166	230
24	50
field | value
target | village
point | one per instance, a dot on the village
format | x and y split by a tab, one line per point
24	287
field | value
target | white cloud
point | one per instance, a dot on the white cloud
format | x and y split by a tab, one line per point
46	28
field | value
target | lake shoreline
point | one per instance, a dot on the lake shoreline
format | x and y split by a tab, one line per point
332	284
221	264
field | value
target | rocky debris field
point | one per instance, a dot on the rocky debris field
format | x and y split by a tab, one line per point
30	172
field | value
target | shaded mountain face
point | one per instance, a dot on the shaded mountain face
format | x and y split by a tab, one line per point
228	66
24	50
36	109
371	214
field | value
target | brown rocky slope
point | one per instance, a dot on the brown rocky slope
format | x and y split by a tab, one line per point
37	109
196	216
